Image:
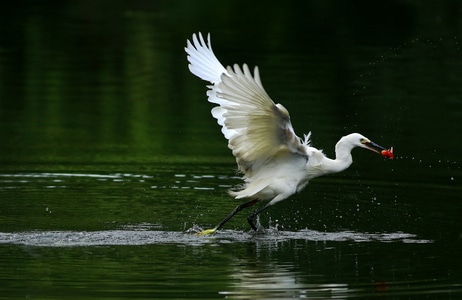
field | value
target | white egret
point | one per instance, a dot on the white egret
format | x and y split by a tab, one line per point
274	161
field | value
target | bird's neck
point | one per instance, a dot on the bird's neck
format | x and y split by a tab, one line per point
342	159
338	164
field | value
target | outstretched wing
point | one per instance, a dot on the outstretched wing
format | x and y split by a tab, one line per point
257	129
261	129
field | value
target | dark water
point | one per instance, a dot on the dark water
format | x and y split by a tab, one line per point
109	154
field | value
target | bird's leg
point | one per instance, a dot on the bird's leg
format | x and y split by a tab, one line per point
235	211
252	216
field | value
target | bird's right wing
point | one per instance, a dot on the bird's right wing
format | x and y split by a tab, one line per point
258	130
262	130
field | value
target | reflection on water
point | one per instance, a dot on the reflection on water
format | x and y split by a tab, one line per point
272	281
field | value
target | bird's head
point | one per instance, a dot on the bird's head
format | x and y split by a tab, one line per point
348	142
366	143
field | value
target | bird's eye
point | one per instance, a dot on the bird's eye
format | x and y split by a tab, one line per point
363	141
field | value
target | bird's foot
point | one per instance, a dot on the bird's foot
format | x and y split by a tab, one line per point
207	231
197	230
259	232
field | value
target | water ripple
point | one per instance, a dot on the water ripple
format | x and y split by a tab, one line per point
147	237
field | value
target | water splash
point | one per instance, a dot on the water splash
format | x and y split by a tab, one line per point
149	237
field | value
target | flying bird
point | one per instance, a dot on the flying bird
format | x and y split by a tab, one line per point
274	161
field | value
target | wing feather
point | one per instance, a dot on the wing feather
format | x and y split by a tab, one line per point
258	130
263	128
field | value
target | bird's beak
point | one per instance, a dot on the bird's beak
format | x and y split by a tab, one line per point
387	153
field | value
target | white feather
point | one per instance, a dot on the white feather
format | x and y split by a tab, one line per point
275	162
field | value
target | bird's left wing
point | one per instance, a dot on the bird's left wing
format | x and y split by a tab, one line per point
257	129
